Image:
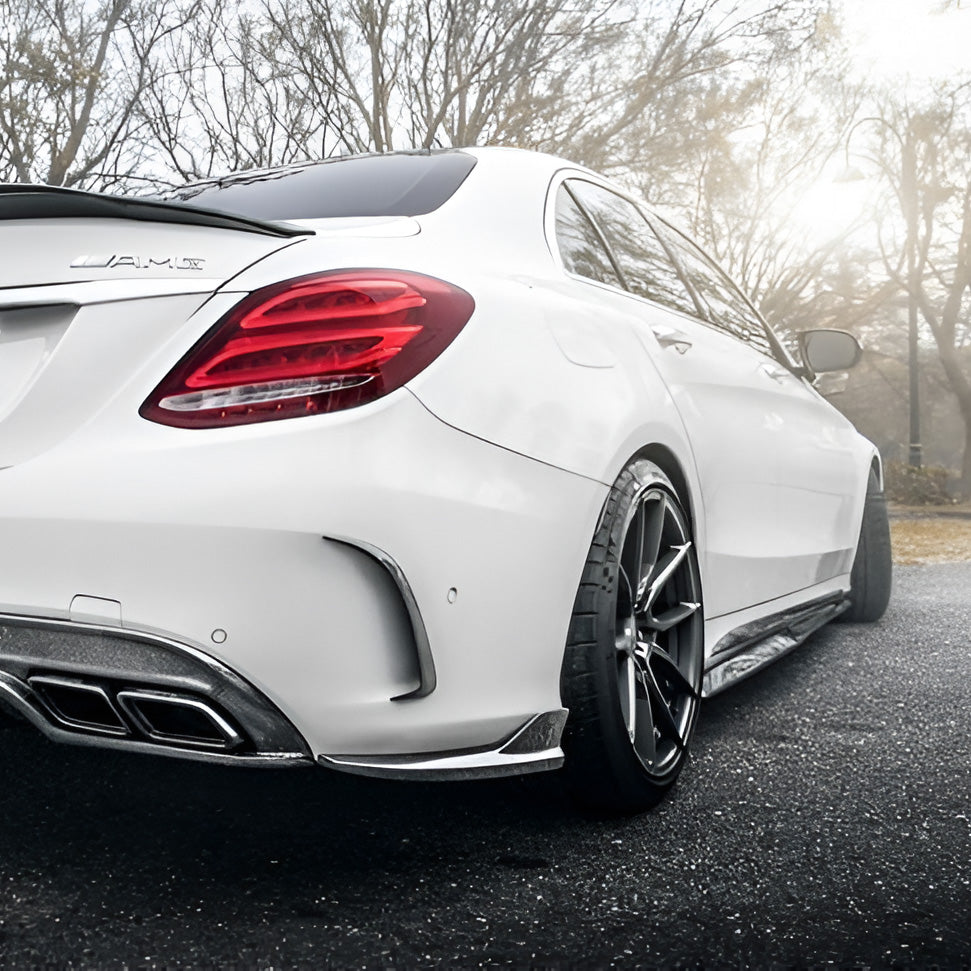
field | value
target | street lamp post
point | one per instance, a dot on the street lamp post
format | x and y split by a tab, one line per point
908	191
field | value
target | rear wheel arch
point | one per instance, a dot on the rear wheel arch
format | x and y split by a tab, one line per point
876	467
671	466
632	665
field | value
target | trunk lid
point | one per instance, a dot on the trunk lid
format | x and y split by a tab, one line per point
90	288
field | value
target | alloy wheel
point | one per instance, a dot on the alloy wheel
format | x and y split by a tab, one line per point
658	631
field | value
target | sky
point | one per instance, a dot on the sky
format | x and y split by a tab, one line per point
905	43
900	39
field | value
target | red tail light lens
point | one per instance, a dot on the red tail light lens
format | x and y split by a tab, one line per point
314	344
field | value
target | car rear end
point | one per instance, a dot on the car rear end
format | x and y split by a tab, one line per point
232	533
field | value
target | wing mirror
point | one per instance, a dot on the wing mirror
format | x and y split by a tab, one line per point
829	350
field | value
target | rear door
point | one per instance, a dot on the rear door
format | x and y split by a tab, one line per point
734	399
816	460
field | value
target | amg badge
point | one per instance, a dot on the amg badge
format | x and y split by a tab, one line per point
115	261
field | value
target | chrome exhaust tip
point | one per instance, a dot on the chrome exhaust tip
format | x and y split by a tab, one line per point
178	720
129	690
79	704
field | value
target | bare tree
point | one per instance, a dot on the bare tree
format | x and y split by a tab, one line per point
748	145
924	152
229	97
192	87
420	73
71	77
678	79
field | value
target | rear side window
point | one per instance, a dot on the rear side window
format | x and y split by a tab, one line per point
646	267
581	246
725	306
399	184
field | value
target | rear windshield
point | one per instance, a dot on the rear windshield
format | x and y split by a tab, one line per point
400	184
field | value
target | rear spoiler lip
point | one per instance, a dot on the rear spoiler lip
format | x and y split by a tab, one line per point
28	201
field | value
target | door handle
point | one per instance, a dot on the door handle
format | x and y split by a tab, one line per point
671	337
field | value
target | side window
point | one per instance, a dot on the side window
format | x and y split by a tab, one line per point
646	267
726	308
582	249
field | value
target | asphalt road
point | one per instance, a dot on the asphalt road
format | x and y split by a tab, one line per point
825	817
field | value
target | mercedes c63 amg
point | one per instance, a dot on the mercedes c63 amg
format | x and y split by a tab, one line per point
430	465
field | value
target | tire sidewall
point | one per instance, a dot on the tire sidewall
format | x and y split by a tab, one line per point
637	786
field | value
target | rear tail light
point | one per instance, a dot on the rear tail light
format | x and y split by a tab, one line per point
314	344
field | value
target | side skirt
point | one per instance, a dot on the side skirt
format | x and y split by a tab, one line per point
749	648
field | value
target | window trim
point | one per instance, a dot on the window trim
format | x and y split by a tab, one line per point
780	353
565	184
549	225
773	341
564	175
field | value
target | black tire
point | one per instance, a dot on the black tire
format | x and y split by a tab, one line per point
632	668
872	574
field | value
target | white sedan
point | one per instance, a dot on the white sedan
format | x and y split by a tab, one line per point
425	465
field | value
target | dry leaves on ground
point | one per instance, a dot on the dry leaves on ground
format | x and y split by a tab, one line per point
937	539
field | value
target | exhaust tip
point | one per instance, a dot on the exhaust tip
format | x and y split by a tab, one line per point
78	704
178	720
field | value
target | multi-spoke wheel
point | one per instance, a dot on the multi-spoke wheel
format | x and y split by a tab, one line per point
632	668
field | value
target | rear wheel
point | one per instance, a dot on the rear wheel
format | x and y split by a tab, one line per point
632	669
871	577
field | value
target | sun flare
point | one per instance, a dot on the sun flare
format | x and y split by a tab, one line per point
834	206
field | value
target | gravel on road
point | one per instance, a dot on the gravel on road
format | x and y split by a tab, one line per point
825	818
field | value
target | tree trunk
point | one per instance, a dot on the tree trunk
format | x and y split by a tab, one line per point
961	387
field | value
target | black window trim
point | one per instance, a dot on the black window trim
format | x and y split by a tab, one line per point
683	274
675	262
600	235
779	351
564	176
560	178
712	262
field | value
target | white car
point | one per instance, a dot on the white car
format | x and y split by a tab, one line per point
430	465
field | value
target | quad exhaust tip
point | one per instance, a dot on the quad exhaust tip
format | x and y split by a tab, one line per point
178	720
77	704
164	717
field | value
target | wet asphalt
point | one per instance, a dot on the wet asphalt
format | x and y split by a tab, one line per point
824	818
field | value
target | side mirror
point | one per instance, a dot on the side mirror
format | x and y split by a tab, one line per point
829	350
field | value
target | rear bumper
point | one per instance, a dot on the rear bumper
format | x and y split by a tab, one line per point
273	552
46	666
535	747
80	683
